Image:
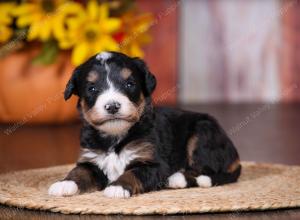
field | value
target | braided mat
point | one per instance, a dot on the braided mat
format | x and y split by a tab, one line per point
261	187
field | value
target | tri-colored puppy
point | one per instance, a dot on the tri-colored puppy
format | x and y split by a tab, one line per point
129	146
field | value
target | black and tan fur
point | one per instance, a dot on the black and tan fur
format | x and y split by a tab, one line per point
153	142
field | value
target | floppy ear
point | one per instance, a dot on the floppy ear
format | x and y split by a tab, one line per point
71	87
149	78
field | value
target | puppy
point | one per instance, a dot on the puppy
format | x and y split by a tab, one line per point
129	147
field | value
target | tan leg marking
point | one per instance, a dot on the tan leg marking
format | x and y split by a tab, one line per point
234	166
191	146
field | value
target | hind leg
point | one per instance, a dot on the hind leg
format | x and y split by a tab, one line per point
211	158
212	154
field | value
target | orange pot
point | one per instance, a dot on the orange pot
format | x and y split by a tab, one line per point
34	93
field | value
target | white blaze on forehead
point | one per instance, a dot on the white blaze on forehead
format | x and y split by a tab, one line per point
103	56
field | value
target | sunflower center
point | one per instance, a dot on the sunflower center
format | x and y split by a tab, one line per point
48	6
90	35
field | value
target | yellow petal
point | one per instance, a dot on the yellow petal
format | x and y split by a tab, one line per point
26	20
136	51
59	31
111	25
69	16
5	33
45	32
25	8
72	7
4	18
109	43
74	23
80	53
103	11
98	49
99	46
33	31
92	10
5	13
65	43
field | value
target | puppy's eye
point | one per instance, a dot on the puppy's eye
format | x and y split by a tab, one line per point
129	85
92	89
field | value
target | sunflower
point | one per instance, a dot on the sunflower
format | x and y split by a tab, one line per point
85	29
40	17
5	21
92	34
135	29
69	16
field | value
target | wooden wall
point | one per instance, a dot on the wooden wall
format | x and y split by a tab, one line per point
239	51
290	55
161	54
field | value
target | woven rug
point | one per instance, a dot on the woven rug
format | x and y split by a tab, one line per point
261	187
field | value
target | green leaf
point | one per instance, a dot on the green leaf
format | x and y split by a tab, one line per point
48	53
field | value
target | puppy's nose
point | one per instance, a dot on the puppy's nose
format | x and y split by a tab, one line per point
112	107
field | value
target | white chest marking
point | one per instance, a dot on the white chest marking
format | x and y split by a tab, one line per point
113	165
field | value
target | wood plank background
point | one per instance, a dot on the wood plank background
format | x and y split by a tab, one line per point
290	56
239	51
161	54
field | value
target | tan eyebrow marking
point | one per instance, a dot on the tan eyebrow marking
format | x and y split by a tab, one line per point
92	76
125	73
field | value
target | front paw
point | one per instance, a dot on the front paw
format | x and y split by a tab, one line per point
63	188
116	192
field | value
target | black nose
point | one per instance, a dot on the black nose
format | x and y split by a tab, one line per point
113	107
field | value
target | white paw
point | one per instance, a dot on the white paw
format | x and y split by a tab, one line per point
177	180
63	188
204	181
116	192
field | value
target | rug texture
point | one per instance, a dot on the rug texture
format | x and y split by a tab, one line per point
261	187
